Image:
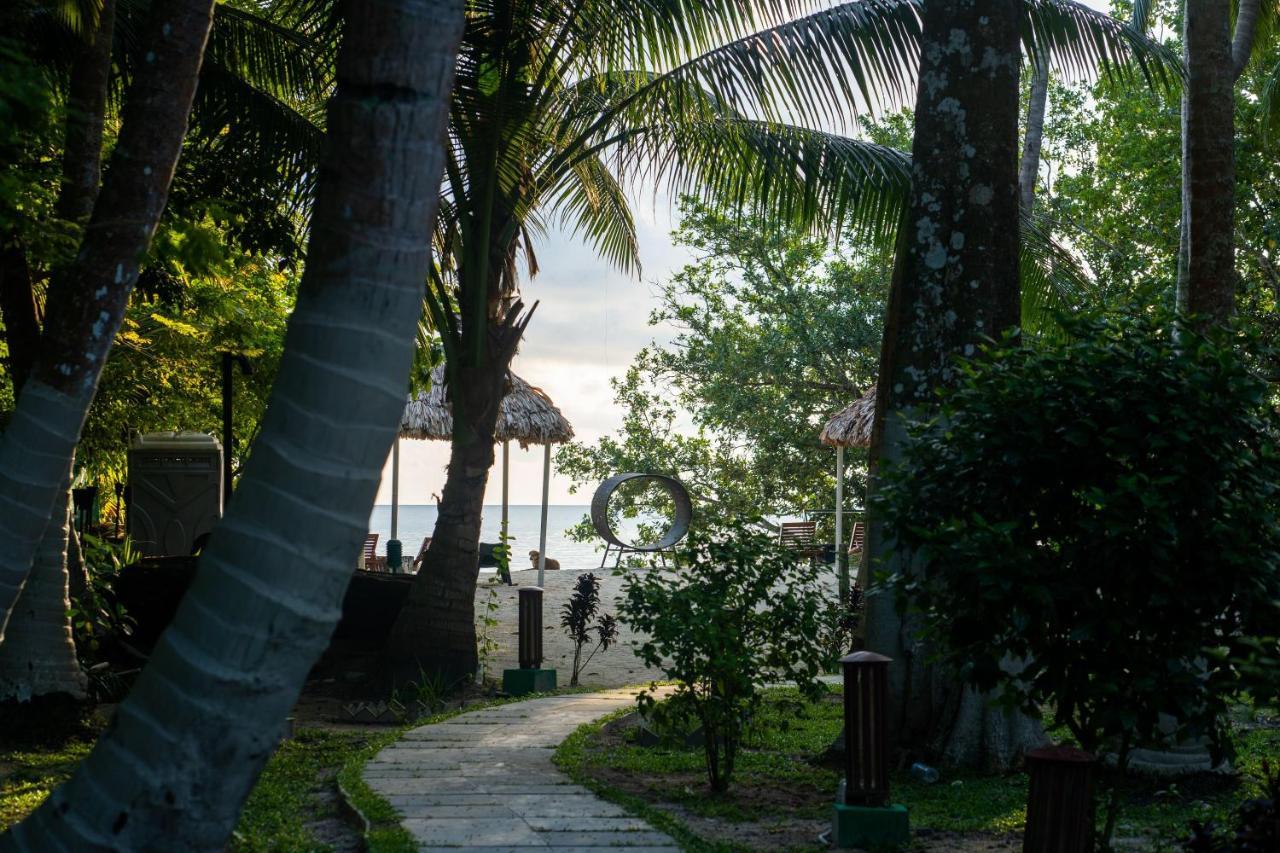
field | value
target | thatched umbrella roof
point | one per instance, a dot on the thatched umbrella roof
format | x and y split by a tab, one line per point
852	427
528	415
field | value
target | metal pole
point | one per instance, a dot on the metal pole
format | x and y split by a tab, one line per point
842	562
546	491
395	488
506	481
227	436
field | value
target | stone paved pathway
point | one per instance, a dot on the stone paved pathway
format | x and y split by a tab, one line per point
484	781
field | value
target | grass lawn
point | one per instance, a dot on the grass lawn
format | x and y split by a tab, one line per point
294	807
783	791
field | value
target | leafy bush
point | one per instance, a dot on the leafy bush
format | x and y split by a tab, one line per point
742	612
576	616
1104	509
839	621
1257	824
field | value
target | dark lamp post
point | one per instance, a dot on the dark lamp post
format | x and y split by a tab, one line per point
866	747
530	627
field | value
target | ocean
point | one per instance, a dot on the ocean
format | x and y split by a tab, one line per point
418	520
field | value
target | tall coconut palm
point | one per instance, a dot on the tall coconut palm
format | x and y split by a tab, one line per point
86	304
251	109
1216	52
558	109
204	716
38	656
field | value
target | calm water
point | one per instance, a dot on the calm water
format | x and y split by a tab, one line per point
418	520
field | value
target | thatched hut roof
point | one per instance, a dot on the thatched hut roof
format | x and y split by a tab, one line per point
528	415
852	427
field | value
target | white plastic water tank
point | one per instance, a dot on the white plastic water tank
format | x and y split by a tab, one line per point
175	491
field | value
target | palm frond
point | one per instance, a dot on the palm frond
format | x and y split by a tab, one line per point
1270	100
591	202
1053	281
1143	12
276	59
821	181
1081	40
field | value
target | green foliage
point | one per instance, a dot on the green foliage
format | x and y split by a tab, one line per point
741	612
165	370
1113	152
486	643
1104	511
576	618
1256	823
96	614
773	333
838	627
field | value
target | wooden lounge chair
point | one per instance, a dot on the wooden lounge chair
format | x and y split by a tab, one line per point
369	558
801	537
422	553
857	538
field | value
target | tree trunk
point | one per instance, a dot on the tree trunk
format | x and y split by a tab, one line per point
436	629
38	655
955	285
1029	169
187	744
1207	278
86	115
86	304
19	311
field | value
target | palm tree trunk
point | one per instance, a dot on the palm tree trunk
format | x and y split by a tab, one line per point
1207	278
1029	169
436	629
955	283
189	741
86	304
86	115
38	655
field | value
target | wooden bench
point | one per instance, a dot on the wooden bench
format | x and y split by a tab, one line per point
801	537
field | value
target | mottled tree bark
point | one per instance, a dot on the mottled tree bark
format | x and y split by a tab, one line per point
86	303
1214	59
955	285
185	747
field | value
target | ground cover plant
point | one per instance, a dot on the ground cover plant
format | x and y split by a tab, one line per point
1103	509
785	784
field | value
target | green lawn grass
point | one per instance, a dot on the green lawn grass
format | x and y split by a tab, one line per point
786	737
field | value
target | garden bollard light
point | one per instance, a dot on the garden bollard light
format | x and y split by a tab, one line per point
530	677
863	815
1060	803
530	627
866	748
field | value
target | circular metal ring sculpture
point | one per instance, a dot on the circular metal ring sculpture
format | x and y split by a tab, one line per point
679	524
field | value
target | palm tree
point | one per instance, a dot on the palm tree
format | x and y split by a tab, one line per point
1216	52
86	303
38	656
251	112
205	714
559	108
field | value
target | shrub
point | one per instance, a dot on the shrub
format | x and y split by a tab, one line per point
576	616
1256	824
1103	508
742	612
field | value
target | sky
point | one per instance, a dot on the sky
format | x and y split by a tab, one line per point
591	321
